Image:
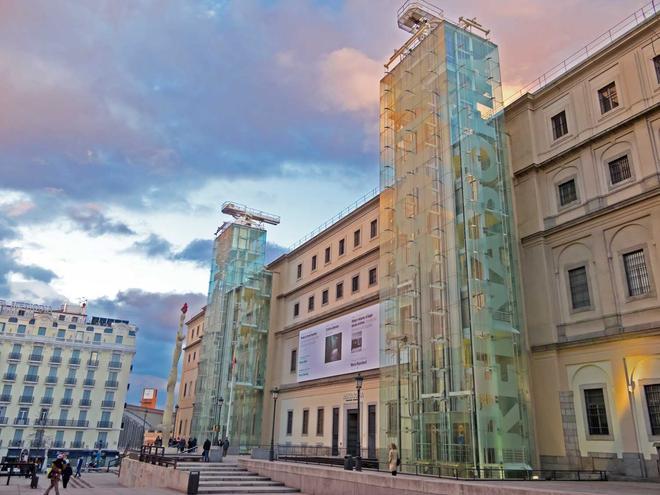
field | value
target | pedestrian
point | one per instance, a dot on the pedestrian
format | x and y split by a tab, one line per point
189	446
225	446
79	466
54	475
66	473
182	444
158	442
393	460
205	450
194	444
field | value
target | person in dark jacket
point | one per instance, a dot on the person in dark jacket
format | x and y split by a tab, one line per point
182	444
66	474
205	450
225	446
79	466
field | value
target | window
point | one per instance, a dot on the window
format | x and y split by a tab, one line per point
185	389
119	339
97	337
652	393
594	403
299	271
355	283
637	275
293	365
342	246
373	228
289	422
61	334
608	98
559	125
656	65
60	317
305	422
340	290
392	417
356	238
296	309
579	285
319	421
373	278
327	255
567	192
324	297
313	262
619	169
310	303
20	330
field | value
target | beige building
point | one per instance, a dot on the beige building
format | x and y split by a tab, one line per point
586	164
322	291
191	355
64	379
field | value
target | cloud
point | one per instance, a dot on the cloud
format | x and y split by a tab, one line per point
153	246
274	251
199	251
9	263
90	219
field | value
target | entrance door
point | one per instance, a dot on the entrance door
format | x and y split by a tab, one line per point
335	431
352	432
371	429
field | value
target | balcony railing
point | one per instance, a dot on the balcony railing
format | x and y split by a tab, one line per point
14	356
66	401
51	379
37	444
85	402
4	420
21	421
70	380
58	444
55	359
114	365
74	361
31	378
74	423
111	384
89	382
104	424
9	377
101	445
37	358
108	403
46	400
93	363
26	399
15	443
5	397
76	444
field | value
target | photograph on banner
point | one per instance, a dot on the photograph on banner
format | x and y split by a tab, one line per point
342	345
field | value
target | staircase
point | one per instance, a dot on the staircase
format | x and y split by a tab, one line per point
226	477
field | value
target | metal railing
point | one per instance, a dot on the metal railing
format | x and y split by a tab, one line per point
51	379
346	211
74	361
626	25
37	358
31	378
156	455
55	360
9	377
89	382
22	469
111	384
108	403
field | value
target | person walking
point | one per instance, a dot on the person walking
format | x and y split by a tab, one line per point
79	466
182	444
393	460
54	475
205	450
66	473
225	446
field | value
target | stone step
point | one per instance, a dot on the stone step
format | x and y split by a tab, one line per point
247	489
239	483
250	477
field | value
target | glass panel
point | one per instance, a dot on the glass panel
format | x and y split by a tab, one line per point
594	401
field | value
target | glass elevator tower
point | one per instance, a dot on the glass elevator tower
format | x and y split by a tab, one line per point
454	393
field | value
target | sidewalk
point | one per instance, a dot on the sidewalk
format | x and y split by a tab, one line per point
101	484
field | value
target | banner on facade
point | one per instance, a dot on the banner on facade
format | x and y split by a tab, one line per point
343	345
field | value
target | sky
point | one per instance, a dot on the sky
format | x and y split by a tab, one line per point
124	125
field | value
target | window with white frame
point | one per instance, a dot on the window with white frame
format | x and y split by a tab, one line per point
637	275
619	169
567	192
579	287
652	394
594	403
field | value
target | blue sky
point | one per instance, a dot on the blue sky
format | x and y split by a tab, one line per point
124	125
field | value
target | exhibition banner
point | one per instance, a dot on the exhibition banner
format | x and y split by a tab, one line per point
343	345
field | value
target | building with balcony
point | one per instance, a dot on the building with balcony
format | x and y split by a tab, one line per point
191	355
64	378
586	169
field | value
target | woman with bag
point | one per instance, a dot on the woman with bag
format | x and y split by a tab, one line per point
54	475
393	460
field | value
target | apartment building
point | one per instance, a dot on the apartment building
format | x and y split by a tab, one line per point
64	379
586	166
191	354
324	330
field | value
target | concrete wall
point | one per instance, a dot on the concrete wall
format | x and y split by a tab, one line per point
136	474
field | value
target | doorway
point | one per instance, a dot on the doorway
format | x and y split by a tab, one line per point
371	431
335	431
352	432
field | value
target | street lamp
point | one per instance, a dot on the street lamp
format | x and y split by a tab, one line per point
220	402
176	413
358	385
271	457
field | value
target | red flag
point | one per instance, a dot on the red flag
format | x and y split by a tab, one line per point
184	308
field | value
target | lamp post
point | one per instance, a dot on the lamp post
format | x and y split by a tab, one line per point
271	457
220	402
176	415
358	459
